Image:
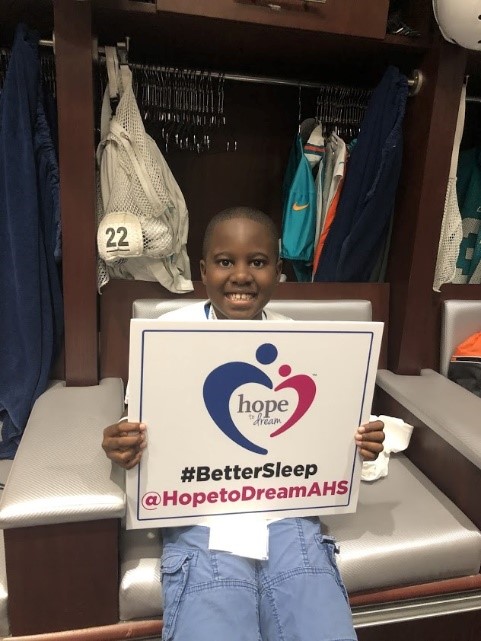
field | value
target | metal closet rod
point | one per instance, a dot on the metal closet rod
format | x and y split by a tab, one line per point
414	83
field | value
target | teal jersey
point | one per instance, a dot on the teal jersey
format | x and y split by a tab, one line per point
299	210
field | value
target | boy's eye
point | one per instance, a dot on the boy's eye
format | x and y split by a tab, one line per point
224	262
258	262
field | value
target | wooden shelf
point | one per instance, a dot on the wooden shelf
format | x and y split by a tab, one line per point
422	43
256	49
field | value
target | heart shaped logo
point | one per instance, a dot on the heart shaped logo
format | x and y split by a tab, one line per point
274	410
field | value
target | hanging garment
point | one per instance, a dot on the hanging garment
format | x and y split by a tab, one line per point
315	152
31	314
452	225
299	212
366	204
143	218
337	163
331	214
378	274
468	267
333	172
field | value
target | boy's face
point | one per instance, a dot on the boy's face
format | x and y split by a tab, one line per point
240	269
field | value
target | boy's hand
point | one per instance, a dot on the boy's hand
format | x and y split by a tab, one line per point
369	438
124	443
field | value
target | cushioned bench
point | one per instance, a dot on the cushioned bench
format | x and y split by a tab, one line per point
60	475
404	532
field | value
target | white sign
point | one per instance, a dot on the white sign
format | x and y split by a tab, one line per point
248	416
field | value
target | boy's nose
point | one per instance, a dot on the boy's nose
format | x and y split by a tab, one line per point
242	274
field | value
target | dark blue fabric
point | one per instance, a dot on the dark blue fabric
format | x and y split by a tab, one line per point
31	314
361	225
51	149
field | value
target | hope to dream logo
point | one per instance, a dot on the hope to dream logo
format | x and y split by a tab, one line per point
223	382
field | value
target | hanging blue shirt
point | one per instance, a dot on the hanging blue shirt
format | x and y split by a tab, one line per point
360	227
31	313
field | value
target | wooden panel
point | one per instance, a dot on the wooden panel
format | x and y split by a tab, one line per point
418	591
73	41
453	627
116	310
134	629
429	134
367	18
62	577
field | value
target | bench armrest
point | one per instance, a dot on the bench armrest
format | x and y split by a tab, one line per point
447	408
446	440
60	473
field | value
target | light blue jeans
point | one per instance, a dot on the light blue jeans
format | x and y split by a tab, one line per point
297	595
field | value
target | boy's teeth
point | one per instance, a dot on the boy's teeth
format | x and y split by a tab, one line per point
240	296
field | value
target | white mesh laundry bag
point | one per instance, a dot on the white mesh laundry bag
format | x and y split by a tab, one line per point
141	212
452	225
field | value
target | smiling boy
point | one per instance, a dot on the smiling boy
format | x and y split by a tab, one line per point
297	593
240	266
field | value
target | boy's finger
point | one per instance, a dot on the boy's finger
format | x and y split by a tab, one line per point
368	455
125	427
371	446
119	429
122	443
134	461
372	426
126	459
371	437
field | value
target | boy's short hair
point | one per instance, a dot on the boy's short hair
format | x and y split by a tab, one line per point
250	213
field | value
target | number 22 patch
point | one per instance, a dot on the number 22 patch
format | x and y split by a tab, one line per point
119	235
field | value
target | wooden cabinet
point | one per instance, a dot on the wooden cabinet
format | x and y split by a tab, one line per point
338	41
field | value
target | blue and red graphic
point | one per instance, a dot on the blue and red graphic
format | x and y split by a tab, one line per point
224	380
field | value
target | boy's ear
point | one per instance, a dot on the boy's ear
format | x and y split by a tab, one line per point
202	270
279	269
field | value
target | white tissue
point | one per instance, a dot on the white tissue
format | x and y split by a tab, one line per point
397	437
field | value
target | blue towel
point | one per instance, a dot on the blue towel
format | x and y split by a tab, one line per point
31	312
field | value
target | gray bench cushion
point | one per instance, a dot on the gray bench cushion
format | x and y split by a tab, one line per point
448	409
405	531
140	594
348	310
460	319
60	473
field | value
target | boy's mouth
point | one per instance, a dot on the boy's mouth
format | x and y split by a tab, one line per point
240	296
